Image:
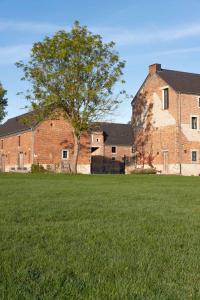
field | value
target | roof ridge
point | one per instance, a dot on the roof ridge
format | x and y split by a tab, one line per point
177	71
16	117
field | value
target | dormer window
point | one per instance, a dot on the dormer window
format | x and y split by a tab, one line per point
165	98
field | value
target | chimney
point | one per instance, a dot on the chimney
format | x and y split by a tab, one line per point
154	68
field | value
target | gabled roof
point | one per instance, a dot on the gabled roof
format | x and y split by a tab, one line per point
115	133
17	124
183	82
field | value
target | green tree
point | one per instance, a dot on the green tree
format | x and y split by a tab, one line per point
3	102
74	73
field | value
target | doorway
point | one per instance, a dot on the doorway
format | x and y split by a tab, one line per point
166	162
2	163
21	161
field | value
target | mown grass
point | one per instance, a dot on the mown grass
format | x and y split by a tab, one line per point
99	237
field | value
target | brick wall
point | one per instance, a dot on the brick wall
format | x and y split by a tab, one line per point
13	147
170	131
48	140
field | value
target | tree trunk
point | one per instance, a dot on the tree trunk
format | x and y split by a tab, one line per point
76	153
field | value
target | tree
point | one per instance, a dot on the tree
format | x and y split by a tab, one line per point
74	73
3	102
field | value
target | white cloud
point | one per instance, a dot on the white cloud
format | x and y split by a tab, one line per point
11	54
179	51
121	36
172	51
16	26
125	37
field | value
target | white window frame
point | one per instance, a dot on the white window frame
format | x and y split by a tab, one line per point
164	88
114	153
197	152
198	101
194	116
63	158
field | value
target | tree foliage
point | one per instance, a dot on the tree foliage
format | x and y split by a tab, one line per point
3	102
73	73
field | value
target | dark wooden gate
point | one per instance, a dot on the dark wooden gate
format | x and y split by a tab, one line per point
104	165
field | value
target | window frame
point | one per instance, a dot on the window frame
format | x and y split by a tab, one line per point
197	117
197	155
163	98
19	140
198	101
113	153
65	158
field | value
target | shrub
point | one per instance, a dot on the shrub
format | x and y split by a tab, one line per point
37	168
144	171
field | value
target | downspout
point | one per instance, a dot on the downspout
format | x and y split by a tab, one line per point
179	133
33	144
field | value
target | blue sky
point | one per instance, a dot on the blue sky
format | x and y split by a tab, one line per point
145	32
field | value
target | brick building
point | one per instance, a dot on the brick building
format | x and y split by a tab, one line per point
172	140
50	143
111	147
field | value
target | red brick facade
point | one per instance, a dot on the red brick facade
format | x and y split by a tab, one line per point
171	139
51	144
43	145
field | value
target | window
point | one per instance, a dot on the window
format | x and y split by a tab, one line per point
198	102
165	98
194	122
114	149
19	140
98	140
194	155
64	154
1	144
113	158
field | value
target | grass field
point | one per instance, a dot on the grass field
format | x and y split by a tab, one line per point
99	237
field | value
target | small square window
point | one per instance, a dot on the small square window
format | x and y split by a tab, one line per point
64	154
194	156
194	122
113	149
113	158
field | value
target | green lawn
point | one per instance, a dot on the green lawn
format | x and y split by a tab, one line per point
99	237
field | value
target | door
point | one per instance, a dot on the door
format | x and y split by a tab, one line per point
21	160
2	163
165	162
